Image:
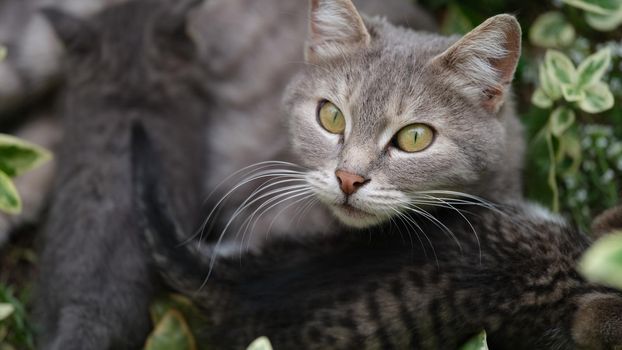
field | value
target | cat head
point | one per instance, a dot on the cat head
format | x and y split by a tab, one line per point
113	45
382	115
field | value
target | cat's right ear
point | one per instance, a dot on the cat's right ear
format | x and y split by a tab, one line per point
76	34
335	28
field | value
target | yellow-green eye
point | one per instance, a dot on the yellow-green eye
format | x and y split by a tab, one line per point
414	138
331	118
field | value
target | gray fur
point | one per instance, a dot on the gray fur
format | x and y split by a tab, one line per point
398	78
130	63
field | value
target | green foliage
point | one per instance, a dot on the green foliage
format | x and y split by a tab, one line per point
552	30
602	263
16	157
476	343
582	85
581	172
14	326
261	343
603	15
174	317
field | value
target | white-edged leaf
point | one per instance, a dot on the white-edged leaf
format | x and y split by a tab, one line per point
593	68
595	6
602	263
572	93
604	22
561	119
476	343
540	99
551	29
598	98
171	332
6	310
10	201
560	67
18	156
550	86
261	343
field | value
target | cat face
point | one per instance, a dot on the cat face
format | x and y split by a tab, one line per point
388	120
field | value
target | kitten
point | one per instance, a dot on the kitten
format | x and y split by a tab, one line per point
382	86
510	271
130	62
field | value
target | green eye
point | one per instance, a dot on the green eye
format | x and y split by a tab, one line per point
414	138
331	118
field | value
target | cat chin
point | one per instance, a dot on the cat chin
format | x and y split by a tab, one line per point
354	217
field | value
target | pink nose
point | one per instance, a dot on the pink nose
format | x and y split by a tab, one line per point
349	182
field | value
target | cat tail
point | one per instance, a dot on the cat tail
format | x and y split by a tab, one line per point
183	264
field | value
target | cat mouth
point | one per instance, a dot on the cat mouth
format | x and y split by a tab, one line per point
352	211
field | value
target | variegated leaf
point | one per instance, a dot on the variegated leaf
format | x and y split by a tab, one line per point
593	68
598	98
560	67
551	29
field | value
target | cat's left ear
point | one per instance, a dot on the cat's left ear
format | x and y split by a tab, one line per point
483	62
76	34
336	28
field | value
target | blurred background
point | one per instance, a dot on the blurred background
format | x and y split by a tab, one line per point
574	128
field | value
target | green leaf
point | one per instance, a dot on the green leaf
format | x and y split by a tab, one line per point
550	86
592	69
572	93
569	145
6	310
9	198
551	29
171	332
560	67
604	22
261	343
598	98
18	156
595	6
476	343
540	99
602	263
562	118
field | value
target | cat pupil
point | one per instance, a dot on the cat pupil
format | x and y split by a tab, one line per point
335	114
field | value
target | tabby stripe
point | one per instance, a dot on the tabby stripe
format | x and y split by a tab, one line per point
381	332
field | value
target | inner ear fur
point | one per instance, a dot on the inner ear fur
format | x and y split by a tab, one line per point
483	62
335	28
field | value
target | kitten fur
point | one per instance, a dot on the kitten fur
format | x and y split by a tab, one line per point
510	271
130	62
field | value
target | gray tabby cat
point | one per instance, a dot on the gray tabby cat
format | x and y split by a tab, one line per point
383	120
510	271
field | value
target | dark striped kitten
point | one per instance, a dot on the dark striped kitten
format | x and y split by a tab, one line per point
509	270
